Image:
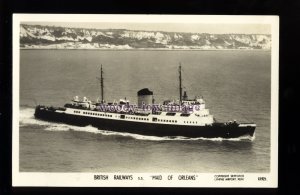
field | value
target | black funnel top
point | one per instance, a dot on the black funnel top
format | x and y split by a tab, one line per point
144	91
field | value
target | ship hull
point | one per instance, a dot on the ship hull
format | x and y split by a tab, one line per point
215	130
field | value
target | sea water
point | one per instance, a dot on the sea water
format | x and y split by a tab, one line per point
235	85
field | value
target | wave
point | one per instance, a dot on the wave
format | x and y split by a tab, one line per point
27	118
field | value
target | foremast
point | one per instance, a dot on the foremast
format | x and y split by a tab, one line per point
101	84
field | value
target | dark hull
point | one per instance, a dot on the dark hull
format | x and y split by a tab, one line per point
213	131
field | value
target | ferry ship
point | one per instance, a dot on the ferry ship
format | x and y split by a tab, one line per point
184	117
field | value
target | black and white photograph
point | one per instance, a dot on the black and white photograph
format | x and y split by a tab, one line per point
145	100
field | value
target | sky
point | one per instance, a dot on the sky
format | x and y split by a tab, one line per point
170	27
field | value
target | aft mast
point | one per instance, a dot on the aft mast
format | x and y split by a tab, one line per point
180	87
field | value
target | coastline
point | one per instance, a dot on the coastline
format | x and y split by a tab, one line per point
145	49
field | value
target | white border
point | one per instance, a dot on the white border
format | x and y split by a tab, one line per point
203	179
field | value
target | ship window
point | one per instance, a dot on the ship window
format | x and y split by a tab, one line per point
154	119
171	114
183	114
175	121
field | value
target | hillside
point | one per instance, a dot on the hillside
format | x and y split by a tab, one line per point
51	37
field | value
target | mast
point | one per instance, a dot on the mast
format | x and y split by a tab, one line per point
180	87
101	83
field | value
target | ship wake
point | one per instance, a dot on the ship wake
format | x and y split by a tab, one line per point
26	118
